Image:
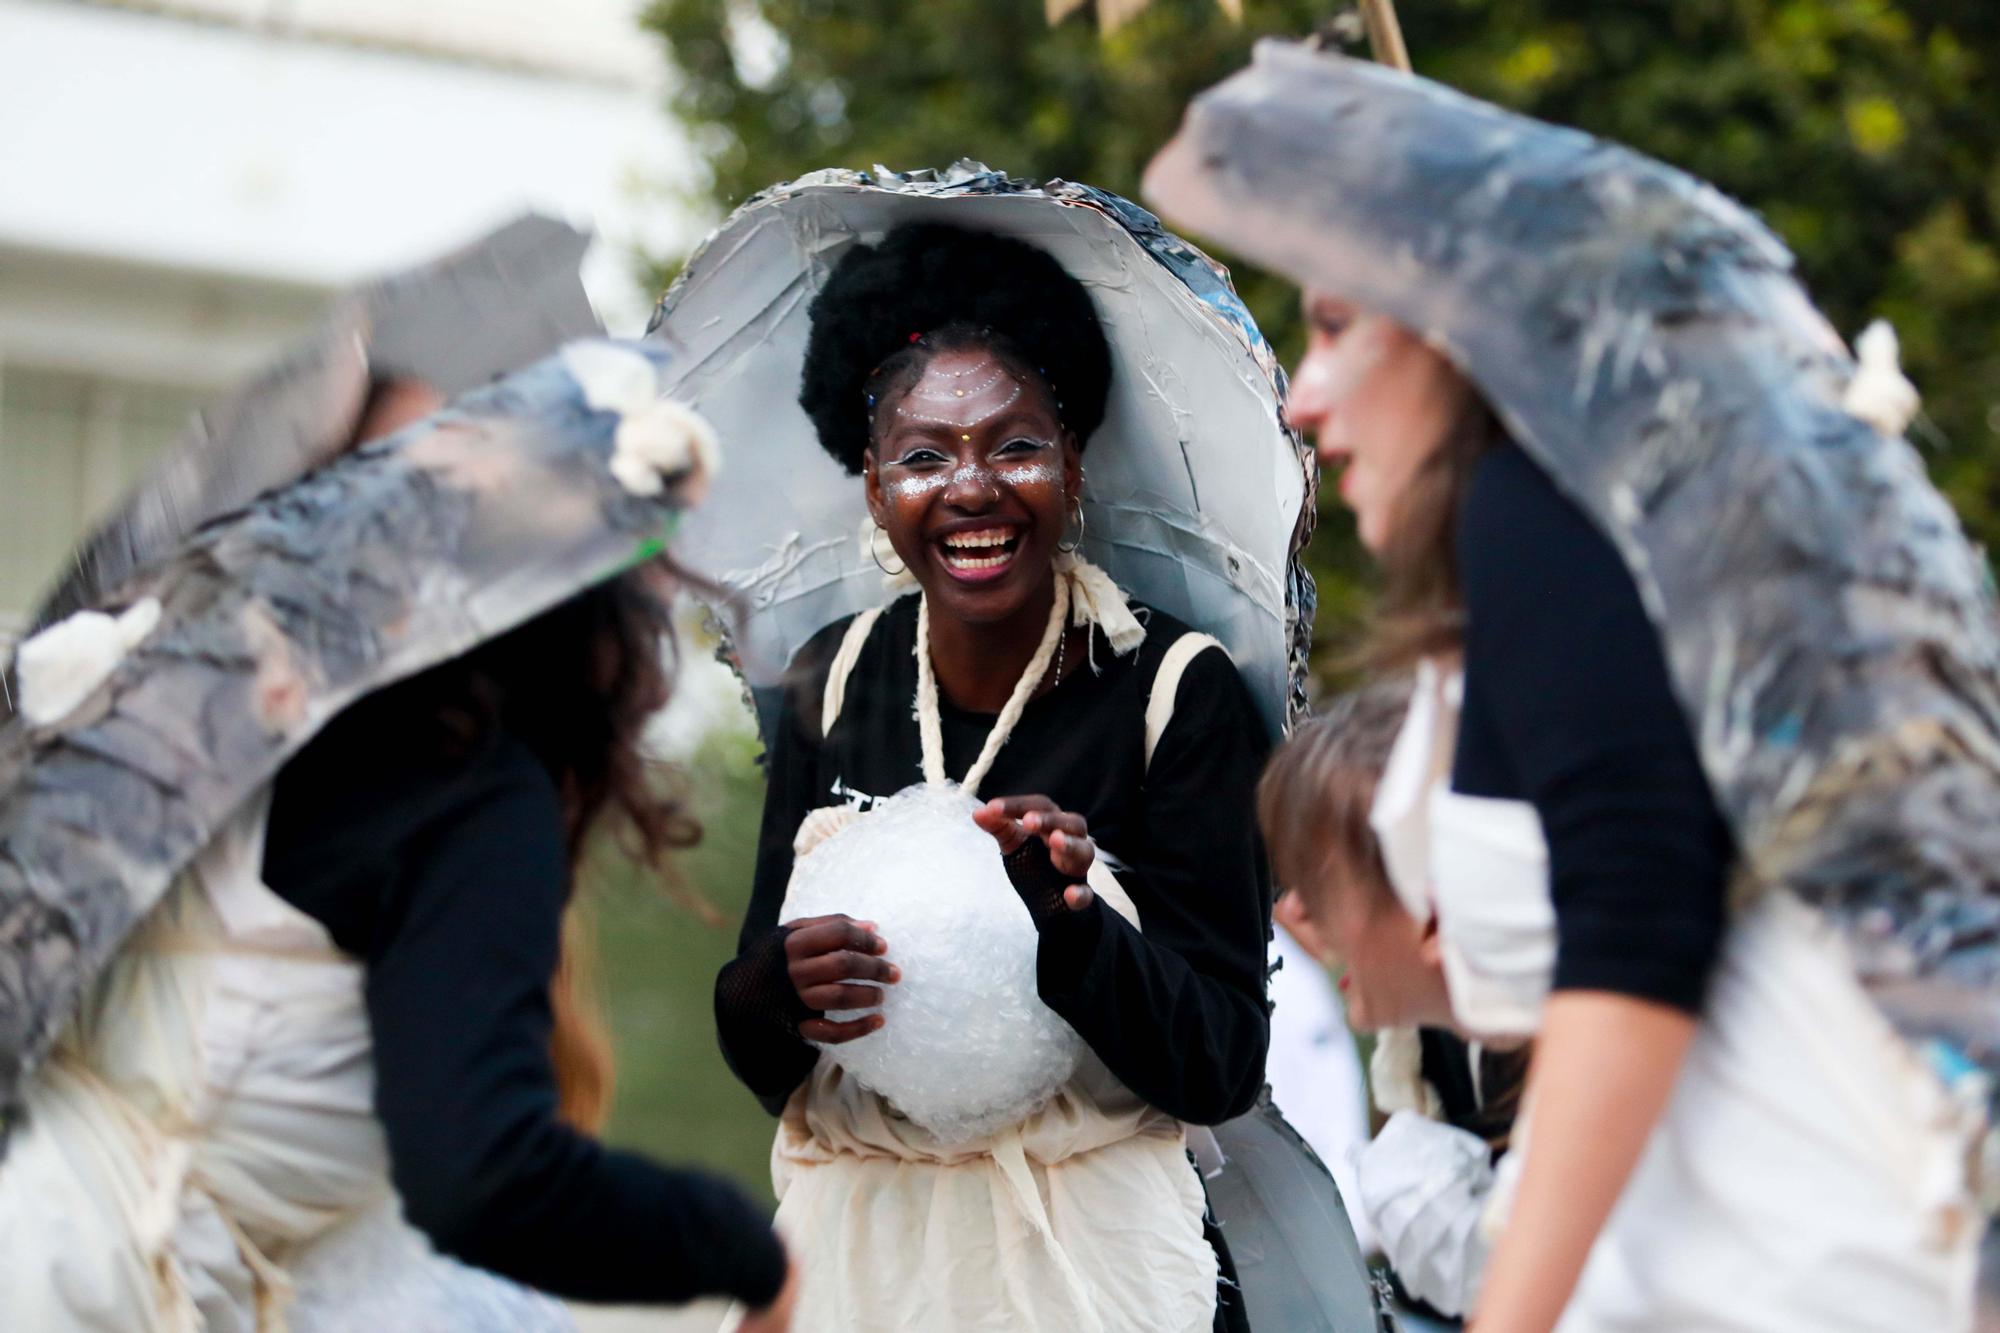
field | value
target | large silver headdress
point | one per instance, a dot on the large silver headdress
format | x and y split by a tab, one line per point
1829	630
1199	498
455	323
229	654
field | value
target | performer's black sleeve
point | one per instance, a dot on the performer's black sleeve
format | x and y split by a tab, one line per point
1177	1011
756	1007
1568	705
460	947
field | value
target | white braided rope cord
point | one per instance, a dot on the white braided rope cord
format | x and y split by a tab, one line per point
930	724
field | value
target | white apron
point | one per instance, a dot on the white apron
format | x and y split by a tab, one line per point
1809	1172
1085	1218
200	1154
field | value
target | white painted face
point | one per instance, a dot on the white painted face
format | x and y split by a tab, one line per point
972	475
1379	402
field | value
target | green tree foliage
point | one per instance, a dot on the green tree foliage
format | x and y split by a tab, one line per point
776	88
1865	131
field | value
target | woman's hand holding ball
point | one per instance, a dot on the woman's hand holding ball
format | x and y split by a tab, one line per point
836	962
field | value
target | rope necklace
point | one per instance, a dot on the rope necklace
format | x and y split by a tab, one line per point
930	724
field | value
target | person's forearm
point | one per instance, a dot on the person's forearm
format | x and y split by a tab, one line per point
587	1223
1604	1067
756	1022
1188	1043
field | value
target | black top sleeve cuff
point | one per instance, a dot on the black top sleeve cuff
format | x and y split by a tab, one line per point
755	988
1041	886
1066	954
757	1017
1676	974
1068	937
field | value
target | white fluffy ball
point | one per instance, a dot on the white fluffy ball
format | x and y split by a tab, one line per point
966	1046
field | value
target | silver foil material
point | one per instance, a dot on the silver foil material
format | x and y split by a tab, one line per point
1199	498
1830	632
400	555
455	323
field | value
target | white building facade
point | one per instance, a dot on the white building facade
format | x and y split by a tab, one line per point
183	184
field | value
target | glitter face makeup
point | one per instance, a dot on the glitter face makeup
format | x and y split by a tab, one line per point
971	474
1379	403
910	486
937	409
1043	473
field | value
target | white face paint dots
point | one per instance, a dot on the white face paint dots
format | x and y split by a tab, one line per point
946	400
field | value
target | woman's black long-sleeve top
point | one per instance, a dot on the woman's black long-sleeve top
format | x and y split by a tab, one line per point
448	877
1175	1010
1568	706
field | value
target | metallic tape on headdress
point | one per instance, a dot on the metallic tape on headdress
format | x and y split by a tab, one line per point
1199	499
398	556
1830	632
455	323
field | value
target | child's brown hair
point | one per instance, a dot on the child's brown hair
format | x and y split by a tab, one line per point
1313	804
1316	793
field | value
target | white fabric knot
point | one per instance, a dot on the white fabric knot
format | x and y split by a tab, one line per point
822	823
657	437
1880	393
64	664
1424	1186
1396	1075
1095	600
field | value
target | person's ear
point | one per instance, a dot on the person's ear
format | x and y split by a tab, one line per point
871	485
1072	463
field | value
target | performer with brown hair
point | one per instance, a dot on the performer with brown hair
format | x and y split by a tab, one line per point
314	978
1699	781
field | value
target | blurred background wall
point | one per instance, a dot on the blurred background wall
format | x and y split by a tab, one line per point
182	183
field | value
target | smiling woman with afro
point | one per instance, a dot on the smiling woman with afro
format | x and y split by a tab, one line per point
960	373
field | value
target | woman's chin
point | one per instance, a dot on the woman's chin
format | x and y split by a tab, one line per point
1372	531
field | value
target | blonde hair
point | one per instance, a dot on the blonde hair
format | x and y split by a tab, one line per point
1316	793
579	1038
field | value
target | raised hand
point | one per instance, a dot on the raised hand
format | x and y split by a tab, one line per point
1013	820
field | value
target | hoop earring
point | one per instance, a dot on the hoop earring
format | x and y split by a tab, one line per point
901	566
1071	547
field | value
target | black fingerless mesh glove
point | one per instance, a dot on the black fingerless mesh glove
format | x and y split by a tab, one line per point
1040	884
755	989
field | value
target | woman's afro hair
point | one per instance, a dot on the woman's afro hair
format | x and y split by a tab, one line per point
882	300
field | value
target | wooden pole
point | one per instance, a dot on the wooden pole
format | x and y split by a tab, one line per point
1385	34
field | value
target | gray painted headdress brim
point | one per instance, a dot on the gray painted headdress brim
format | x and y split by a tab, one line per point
505	301
398	556
1829	630
1199	499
